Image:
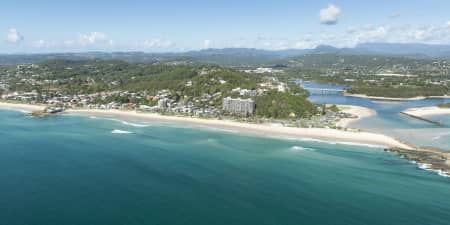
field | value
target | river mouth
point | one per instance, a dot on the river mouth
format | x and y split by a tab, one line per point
389	120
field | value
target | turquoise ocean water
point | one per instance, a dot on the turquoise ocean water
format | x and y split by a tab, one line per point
81	170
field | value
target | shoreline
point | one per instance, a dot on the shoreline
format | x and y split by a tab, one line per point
323	134
264	130
393	99
435	160
21	106
427	111
358	111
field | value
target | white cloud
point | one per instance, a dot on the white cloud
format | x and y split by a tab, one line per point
330	15
206	44
431	34
328	37
350	30
14	36
158	44
305	44
278	44
448	23
370	34
94	38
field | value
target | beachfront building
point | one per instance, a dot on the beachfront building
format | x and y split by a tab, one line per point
163	103
239	106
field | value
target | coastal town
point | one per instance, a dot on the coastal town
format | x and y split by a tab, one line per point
198	112
260	100
238	104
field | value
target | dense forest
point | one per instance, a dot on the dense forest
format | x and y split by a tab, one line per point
284	105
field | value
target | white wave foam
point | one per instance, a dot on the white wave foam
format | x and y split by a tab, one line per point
361	144
427	167
225	130
134	124
424	166
116	131
121	121
342	143
442	173
299	148
215	129
129	123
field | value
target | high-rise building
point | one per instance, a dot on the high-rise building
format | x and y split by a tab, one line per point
237	105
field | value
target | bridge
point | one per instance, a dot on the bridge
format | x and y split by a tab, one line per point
323	90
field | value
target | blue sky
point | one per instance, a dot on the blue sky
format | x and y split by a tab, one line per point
175	25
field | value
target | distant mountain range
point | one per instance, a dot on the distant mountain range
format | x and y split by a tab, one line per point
426	50
242	56
389	49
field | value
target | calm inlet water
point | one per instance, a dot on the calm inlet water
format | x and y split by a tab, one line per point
80	170
388	119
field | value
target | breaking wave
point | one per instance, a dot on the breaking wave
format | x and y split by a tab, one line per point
342	143
427	167
122	122
299	148
116	131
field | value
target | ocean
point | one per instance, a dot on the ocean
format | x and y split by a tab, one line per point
72	170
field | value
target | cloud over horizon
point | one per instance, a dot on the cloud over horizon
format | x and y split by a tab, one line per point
14	36
346	37
330	15
271	25
93	38
158	44
206	44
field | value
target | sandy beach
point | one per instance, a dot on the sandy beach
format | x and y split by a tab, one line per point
268	130
383	98
323	134
427	111
392	99
21	107
358	111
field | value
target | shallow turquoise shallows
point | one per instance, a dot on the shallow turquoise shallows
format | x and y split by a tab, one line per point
73	170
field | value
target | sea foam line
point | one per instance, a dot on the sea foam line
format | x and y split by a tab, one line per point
116	131
342	143
299	148
427	167
121	121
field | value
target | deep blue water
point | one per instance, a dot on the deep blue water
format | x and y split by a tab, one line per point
74	170
388	119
